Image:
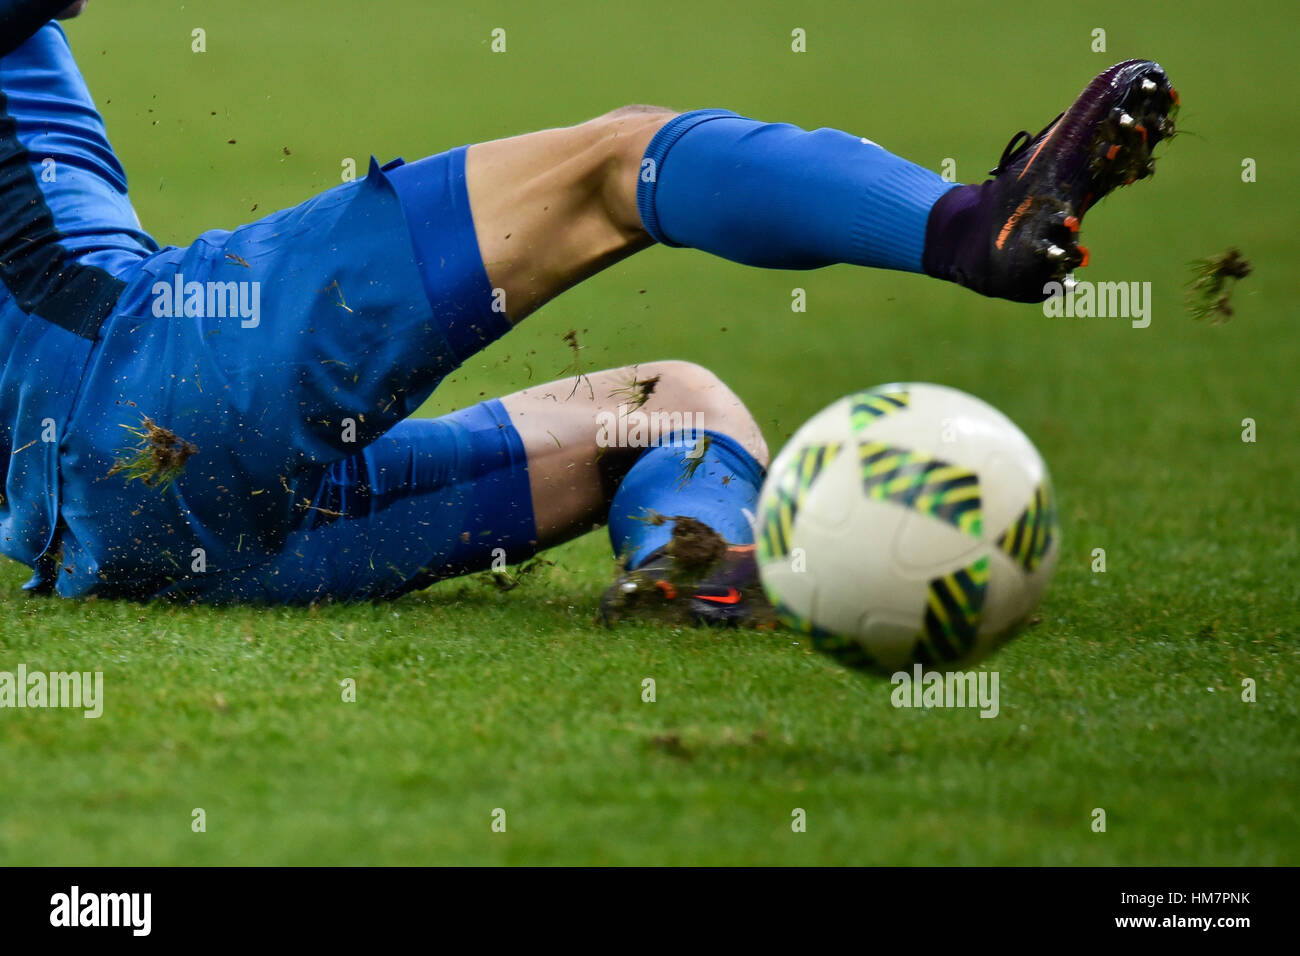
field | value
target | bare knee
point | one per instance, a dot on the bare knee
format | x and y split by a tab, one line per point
636	111
690	388
627	131
556	206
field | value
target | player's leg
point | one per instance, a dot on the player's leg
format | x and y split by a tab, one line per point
359	301
555	206
583	436
435	498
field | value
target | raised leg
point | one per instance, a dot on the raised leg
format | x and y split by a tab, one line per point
554	207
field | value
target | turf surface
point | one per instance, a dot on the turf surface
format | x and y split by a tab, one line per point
1126	697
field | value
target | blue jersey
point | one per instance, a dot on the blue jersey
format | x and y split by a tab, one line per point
67	230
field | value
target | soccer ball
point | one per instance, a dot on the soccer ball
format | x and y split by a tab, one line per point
907	524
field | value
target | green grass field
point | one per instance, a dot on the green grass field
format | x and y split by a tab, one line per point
1127	696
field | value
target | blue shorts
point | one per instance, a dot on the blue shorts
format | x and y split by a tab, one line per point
290	353
431	499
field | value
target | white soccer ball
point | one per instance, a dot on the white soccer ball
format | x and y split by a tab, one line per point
905	524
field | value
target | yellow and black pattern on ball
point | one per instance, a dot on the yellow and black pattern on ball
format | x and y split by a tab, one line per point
777	521
866	407
913	479
846	650
953	607
1030	538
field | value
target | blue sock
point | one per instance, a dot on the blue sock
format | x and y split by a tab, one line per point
774	195
717	492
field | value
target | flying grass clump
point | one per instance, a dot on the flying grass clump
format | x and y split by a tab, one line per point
1209	294
636	393
503	580
692	460
570	338
694	545
157	458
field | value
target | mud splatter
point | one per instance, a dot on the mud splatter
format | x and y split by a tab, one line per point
695	546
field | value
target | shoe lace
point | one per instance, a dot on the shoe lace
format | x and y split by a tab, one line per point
1018	144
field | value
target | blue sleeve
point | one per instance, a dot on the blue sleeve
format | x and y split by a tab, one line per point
19	19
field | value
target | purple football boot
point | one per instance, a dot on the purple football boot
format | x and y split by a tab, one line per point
1011	235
